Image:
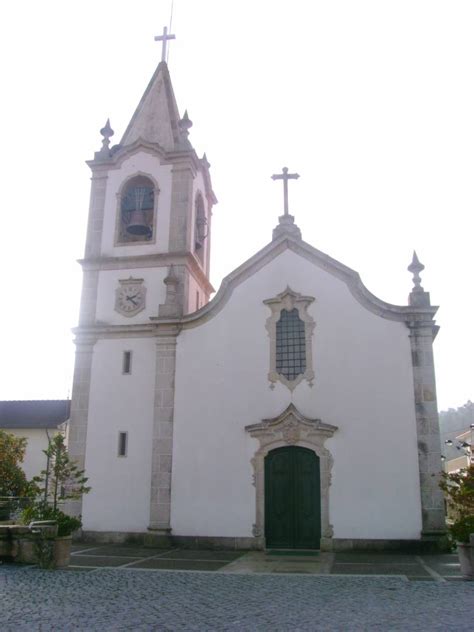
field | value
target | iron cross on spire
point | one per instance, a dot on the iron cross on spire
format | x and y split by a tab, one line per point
164	38
285	176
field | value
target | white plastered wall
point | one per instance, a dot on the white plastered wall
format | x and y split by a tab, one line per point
142	163
363	385
35	458
120	496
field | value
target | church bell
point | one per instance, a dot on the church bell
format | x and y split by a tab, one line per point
138	224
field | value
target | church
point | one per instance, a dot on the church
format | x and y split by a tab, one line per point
292	410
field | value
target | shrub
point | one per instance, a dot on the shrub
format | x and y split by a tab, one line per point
459	490
41	511
462	529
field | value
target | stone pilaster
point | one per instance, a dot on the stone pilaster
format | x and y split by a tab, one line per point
162	439
96	213
93	247
427	426
180	219
181	207
77	432
90	283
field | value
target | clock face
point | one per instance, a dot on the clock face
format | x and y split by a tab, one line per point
130	298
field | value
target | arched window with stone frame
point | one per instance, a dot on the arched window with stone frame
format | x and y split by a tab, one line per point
136	215
201	228
290	329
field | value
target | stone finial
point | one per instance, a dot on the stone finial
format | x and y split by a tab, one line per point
205	161
171	281
416	267
418	297
107	132
171	308
185	124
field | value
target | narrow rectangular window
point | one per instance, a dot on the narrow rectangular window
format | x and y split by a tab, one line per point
122	443
127	362
290	345
197	301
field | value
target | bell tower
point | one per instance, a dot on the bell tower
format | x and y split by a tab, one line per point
146	265
151	209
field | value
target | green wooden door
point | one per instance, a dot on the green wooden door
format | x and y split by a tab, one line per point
292	499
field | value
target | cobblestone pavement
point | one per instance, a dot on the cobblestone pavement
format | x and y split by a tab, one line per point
126	599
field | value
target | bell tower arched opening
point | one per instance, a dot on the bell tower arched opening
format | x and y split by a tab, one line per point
136	221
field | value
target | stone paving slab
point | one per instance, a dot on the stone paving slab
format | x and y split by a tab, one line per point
267	562
115	599
189	554
145	558
181	565
427	567
126	551
445	565
99	561
375	557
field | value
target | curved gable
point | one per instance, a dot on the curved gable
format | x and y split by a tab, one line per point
323	261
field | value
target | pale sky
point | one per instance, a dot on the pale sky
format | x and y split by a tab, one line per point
371	102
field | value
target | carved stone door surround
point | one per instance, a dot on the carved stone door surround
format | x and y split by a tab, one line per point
292	428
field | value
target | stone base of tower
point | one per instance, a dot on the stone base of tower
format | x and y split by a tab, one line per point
158	539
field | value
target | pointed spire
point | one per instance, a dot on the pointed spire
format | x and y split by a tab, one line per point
417	297
156	119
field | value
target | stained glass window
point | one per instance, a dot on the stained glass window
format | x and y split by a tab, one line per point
290	345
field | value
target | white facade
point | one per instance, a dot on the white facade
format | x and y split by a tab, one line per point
202	404
363	385
120	403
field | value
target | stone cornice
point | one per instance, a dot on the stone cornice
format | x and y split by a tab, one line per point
402	313
412	316
183	157
149	261
90	334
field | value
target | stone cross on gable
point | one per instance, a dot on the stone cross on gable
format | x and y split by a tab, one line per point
164	38
285	176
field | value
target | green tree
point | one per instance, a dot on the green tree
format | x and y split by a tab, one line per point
62	479
12	477
459	490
